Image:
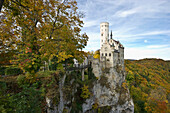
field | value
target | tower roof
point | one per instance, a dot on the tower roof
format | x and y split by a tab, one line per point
111	35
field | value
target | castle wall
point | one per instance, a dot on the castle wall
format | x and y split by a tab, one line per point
107	51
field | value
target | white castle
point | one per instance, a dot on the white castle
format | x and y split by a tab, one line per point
111	51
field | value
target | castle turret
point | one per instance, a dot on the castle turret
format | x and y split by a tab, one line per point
104	32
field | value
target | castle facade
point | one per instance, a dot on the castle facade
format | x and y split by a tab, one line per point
111	51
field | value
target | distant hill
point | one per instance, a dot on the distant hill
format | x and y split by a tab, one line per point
149	84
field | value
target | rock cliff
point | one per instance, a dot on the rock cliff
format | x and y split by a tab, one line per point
108	92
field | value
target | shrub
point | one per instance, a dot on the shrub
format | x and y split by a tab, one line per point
2	70
13	71
21	79
27	101
85	92
45	73
86	77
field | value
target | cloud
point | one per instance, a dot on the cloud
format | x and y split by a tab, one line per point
140	53
164	32
145	41
94	42
90	23
157	46
134	37
126	12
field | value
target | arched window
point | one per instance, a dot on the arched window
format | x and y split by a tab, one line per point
105	54
109	54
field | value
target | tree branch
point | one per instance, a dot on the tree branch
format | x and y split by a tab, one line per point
19	3
52	30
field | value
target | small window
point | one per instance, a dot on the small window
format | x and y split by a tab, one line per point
101	34
102	40
102	25
102	54
108	60
105	29
109	54
105	54
105	25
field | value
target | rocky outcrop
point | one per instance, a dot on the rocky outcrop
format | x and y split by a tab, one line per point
110	91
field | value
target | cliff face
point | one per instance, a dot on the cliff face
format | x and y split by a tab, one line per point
108	92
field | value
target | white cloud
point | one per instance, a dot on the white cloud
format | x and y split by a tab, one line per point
126	13
90	23
134	37
140	53
145	41
157	46
162	32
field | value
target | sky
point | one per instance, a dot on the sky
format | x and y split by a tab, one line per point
142	26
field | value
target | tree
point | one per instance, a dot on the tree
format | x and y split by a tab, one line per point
97	54
43	29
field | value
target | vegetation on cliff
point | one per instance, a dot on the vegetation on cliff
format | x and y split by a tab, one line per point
148	81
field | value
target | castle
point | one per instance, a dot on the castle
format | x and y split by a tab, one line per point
111	51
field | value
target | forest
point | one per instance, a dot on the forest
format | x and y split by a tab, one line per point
148	81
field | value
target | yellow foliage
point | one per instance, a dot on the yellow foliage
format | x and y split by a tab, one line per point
125	85
95	106
97	54
85	92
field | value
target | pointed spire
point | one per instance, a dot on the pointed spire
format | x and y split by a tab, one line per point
111	35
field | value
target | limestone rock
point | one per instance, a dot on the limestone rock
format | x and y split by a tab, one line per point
108	91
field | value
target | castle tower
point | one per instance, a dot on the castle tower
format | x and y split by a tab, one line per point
104	32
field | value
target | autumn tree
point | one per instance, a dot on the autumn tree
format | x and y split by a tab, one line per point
97	54
148	84
41	30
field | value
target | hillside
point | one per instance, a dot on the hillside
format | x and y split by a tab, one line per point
148	81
